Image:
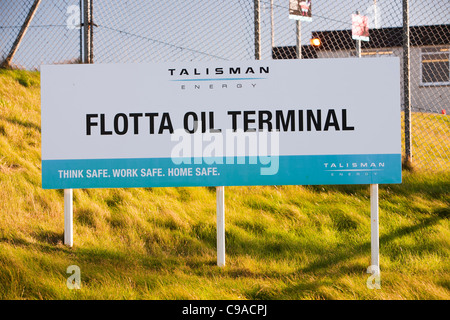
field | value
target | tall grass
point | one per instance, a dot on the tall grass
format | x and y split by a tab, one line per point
282	242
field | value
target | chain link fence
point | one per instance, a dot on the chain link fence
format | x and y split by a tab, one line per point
162	31
47	39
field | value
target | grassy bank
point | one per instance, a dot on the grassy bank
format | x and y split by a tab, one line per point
283	242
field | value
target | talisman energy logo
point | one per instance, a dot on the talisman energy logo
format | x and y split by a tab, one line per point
353	168
218	77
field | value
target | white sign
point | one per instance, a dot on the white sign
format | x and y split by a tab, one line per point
221	123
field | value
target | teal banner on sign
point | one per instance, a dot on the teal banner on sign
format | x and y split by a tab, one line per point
162	172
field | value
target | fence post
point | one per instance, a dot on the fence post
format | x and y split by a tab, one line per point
358	43
257	29
23	30
406	85
91	31
272	29
81	31
88	31
298	24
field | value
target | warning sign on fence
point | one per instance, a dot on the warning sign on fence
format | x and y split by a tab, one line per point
300	10
360	27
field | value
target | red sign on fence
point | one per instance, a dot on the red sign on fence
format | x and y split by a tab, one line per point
300	10
360	27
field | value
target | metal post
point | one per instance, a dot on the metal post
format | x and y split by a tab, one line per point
272	28
406	84
87	26
358	44
299	38
220	199
257	29
91	31
81	31
68	217
358	48
23	30
374	267
374	230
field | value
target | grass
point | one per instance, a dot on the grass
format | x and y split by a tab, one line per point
430	141
282	242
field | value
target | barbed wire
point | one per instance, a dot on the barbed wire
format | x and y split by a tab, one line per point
161	42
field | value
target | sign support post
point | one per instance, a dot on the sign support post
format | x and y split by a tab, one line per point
374	230
68	217
374	267
220	199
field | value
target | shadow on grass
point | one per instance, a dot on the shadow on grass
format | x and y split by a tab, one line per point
48	243
364	249
436	186
261	246
349	189
413	183
22	123
50	237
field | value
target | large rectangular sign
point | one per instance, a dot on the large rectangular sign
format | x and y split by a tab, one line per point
298	122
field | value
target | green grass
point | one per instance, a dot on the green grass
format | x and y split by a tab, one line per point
282	242
430	141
